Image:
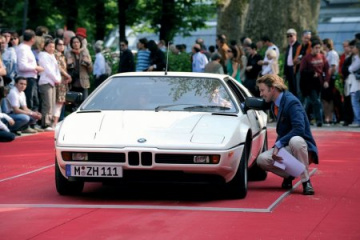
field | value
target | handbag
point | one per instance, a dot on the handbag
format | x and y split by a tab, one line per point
73	97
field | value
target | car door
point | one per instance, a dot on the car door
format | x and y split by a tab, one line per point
254	117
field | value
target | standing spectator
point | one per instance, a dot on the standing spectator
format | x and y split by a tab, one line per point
157	57
81	34
99	70
253	69
41	31
200	41
63	87
79	66
28	68
126	63
314	71
38	46
5	134
272	67
222	49
143	55
289	70
59	33
6	33
270	46
214	66
18	110
328	94
345	62
162	45
355	84
48	79
234	63
10	59
293	132
67	37
199	60
211	49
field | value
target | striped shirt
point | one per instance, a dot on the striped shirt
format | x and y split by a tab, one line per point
143	60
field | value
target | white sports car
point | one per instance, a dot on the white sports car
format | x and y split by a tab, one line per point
168	126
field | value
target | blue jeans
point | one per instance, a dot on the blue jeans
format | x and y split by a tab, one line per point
22	121
314	100
32	94
355	101
6	136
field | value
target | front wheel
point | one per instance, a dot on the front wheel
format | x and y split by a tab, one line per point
64	186
237	187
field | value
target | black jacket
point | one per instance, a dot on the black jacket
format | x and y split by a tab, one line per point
126	63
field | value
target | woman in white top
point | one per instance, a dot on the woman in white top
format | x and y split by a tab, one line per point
48	79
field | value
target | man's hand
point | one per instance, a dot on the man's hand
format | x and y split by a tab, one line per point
275	156
36	115
11	122
326	84
39	69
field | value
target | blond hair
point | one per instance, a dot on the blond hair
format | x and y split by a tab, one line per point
272	80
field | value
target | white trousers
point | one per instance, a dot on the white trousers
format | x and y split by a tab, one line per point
298	148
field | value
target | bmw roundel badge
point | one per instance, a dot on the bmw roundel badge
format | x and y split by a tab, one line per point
141	140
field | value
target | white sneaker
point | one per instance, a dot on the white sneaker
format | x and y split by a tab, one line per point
48	129
354	125
29	130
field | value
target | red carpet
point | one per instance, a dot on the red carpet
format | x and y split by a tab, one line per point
27	178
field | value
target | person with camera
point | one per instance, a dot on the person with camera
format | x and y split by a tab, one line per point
79	66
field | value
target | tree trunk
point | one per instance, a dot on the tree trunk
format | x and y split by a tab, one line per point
273	18
100	19
231	16
167	20
122	5
71	14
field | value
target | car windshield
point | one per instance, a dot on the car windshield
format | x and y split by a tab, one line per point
162	93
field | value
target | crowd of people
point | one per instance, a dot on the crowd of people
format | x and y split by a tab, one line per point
38	69
324	82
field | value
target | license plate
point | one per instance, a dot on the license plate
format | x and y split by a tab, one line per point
94	171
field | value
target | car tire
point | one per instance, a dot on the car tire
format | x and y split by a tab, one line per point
64	186
237	187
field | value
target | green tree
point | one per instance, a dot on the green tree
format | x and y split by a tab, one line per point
170	17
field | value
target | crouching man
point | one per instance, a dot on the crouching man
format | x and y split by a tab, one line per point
23	117
292	128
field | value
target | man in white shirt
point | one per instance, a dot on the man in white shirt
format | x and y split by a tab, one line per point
271	46
28	68
100	69
22	115
291	49
199	60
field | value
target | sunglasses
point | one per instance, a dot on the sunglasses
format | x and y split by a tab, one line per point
229	51
289	35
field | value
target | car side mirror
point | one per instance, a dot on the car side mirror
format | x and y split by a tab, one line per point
73	97
256	104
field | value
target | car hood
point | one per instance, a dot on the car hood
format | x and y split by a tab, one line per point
165	130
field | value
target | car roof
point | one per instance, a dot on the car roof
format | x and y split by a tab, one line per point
170	74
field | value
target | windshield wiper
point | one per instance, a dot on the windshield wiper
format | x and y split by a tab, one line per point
89	111
161	107
207	107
